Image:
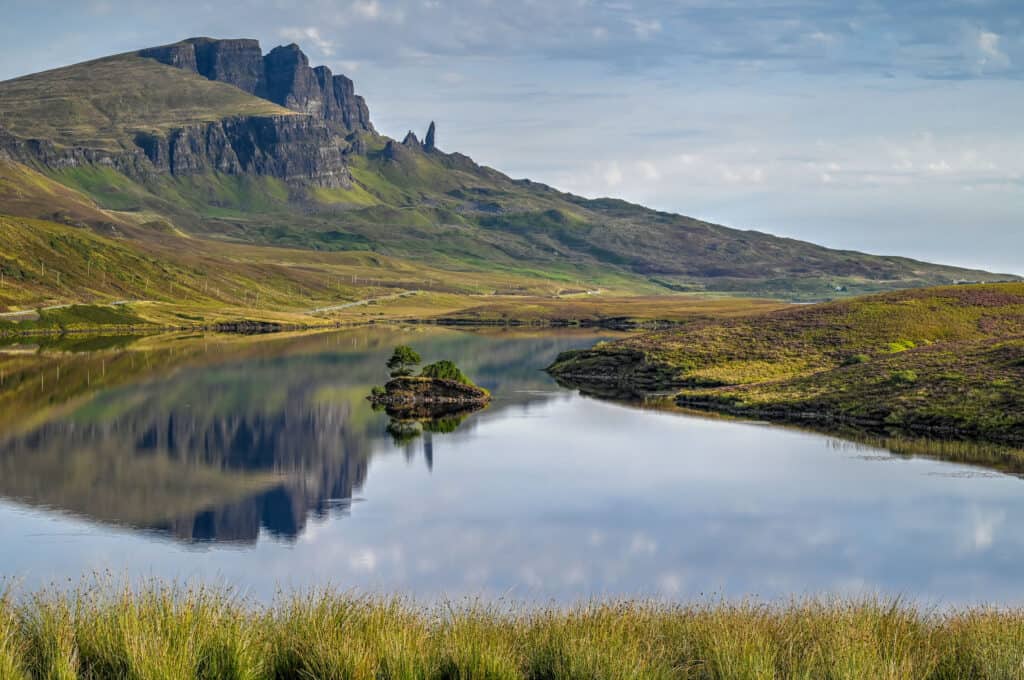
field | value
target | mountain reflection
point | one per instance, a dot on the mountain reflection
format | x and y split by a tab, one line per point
222	439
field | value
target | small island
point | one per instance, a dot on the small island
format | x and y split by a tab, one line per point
439	388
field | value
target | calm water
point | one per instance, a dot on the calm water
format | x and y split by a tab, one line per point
257	462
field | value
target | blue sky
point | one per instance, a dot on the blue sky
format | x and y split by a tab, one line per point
892	126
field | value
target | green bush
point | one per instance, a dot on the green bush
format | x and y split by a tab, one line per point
906	377
902	345
445	370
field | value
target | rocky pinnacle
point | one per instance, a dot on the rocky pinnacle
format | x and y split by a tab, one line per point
428	142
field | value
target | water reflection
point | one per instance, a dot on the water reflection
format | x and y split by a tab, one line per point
231	459
218	438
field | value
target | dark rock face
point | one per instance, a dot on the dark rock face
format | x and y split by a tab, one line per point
291	82
412	141
402	152
283	76
393	150
288	147
46	153
355	113
237	62
180	55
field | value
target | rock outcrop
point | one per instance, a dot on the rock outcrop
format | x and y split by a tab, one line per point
45	153
428	397
614	373
282	76
429	141
412	141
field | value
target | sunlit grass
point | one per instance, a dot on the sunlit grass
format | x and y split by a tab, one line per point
941	362
159	631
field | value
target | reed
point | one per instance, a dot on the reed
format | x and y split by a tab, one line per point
160	631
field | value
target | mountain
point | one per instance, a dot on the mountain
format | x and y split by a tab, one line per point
205	148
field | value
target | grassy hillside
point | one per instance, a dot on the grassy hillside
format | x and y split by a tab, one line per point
453	215
440	210
56	276
100	104
170	632
90	257
942	361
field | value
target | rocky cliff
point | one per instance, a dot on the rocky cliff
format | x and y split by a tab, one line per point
283	76
292	148
45	153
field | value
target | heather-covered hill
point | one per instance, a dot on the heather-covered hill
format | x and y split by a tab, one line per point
943	362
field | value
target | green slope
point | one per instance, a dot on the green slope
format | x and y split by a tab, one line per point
99	104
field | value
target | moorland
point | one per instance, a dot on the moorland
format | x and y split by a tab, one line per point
940	362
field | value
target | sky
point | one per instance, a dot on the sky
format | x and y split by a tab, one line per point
888	126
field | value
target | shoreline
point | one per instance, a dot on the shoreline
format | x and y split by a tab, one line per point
828	422
262	327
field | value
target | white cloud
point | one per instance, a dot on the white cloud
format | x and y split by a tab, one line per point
649	171
645	29
642	544
367	9
307	35
612	175
363	559
732	174
988	43
985	48
983	529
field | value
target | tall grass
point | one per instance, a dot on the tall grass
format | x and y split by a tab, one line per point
169	632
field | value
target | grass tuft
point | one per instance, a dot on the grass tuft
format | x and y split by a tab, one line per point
159	631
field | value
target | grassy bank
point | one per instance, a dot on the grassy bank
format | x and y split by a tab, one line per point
946	362
168	633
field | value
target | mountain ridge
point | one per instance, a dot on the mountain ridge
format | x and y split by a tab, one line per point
220	141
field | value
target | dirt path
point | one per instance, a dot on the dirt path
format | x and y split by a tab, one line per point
357	303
